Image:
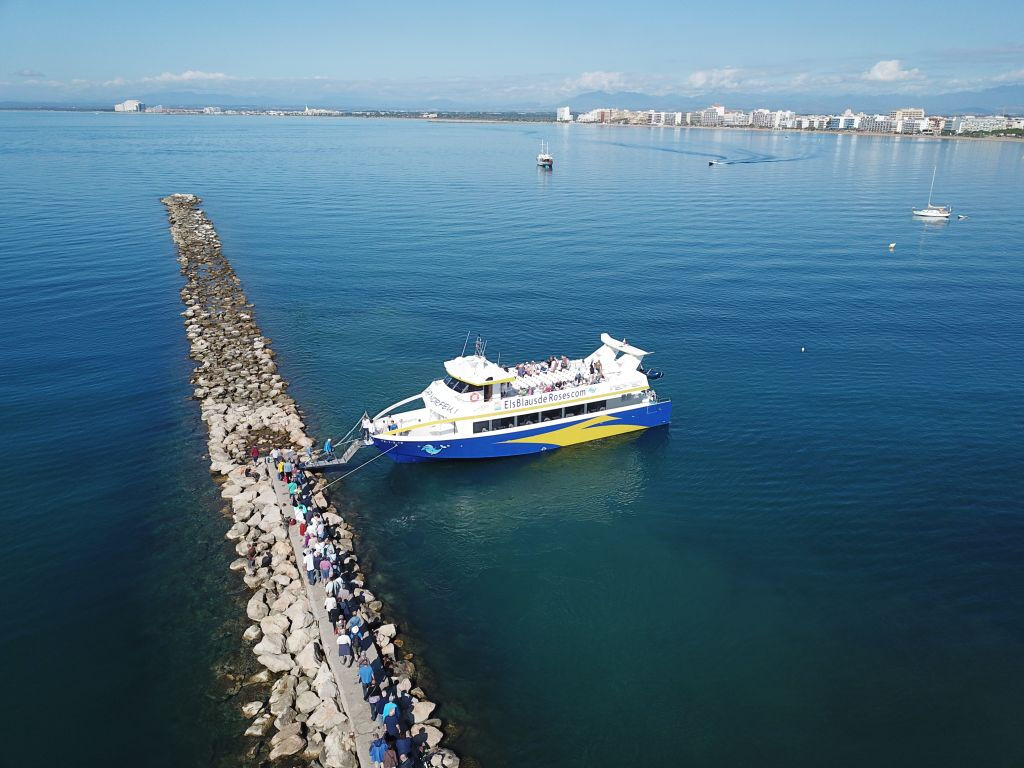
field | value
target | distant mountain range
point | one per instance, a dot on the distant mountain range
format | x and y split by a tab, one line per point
1006	98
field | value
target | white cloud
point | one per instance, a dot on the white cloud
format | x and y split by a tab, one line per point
1016	76
891	71
727	77
598	81
188	76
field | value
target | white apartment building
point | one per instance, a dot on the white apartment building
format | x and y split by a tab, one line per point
563	115
713	116
907	113
130	105
762	118
970	123
736	119
844	122
878	124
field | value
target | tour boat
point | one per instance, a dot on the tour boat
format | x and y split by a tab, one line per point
933	211
481	410
544	159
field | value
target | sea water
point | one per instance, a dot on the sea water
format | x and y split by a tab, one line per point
816	563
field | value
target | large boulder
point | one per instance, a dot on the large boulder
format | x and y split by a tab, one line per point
306	702
325	717
287	741
276	662
256	608
421	710
298	640
270	644
433	734
252	634
275	623
308	659
338	750
259	726
443	758
252	708
282	694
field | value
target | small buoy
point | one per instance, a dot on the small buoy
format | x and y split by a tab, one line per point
961	216
801	349
892	246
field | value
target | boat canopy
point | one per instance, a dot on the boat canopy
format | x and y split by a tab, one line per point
622	346
477	370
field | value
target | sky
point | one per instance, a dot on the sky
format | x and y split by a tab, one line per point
501	54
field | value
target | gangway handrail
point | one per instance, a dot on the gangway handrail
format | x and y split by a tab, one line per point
368	461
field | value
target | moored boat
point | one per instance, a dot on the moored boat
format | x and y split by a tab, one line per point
482	410
933	211
544	159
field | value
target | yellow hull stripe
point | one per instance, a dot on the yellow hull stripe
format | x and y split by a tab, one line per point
585	431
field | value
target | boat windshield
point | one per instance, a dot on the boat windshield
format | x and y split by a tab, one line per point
460	386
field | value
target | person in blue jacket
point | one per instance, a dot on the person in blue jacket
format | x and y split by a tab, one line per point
328	448
377	749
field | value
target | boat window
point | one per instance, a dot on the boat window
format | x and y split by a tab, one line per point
597	405
481	426
574	410
508	421
551	415
461	386
526	418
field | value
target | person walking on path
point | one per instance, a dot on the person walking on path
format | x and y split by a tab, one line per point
307	560
328	448
280	469
255	453
378	747
293	488
390	759
345	649
331	606
365	676
391	724
405	747
376	702
325	570
389	707
275	454
287	468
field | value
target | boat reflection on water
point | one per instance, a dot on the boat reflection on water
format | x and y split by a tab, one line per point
594	481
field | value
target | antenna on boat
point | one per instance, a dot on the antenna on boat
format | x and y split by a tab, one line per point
465	344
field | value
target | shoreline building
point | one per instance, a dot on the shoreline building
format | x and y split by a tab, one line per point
907	113
130	105
972	124
563	115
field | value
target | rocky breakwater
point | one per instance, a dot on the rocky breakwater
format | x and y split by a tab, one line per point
314	713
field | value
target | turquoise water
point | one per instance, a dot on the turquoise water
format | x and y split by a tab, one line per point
817	563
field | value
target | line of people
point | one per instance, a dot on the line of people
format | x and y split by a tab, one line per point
330	566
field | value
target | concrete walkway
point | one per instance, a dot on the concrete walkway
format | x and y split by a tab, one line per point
349	688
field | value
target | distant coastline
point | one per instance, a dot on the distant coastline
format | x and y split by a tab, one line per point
499	118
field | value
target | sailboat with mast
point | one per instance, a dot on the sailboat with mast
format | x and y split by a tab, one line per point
933	211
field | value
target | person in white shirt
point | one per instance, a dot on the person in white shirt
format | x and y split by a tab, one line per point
310	563
345	649
331	606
